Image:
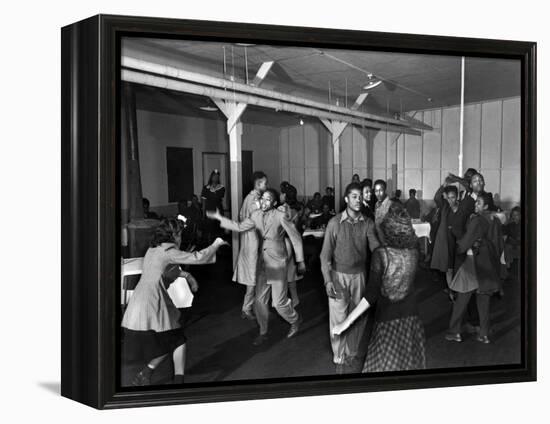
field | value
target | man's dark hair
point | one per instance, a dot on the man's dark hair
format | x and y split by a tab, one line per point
397	194
451	189
412	192
350	187
146	201
470	172
367	182
258	175
380	182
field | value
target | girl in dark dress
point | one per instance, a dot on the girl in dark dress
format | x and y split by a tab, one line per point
212	199
397	342
478	262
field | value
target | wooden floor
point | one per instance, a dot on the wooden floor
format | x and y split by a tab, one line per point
220	342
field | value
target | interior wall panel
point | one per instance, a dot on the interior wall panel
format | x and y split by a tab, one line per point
511	133
491	135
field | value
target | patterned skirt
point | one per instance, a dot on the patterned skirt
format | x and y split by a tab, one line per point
396	345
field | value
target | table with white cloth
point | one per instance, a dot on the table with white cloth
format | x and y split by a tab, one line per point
422	231
317	233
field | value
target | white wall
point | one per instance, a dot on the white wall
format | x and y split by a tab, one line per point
491	145
157	131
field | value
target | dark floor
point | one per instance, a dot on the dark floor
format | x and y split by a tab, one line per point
220	342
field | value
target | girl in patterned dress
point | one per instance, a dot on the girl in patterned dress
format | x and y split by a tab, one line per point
397	342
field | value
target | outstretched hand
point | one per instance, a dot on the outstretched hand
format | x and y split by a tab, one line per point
219	242
213	214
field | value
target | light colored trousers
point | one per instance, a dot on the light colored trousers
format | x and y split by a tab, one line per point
278	292
248	301
352	288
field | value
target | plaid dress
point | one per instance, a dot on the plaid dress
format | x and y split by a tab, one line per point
396	345
397	341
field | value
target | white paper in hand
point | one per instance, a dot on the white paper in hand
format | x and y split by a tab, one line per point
180	293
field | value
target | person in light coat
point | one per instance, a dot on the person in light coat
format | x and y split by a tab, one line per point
245	269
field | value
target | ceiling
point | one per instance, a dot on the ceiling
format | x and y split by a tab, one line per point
411	81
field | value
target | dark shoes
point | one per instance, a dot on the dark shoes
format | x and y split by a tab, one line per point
260	340
143	378
178	379
294	327
453	337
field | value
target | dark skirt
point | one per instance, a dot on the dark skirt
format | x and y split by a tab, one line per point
396	345
143	346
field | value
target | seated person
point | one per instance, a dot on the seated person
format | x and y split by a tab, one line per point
322	221
147	214
315	205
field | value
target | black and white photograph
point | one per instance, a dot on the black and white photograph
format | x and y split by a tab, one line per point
292	211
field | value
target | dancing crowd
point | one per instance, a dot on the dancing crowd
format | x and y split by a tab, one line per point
369	261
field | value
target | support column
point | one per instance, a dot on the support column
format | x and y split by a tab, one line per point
337	173
336	128
236	178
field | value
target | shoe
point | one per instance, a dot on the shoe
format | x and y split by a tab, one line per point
294	327
248	315
260	340
355	365
483	339
453	337
143	378
178	379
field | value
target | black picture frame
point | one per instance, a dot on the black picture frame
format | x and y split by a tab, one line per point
90	208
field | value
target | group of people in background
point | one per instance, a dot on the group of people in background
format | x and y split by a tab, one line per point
369	262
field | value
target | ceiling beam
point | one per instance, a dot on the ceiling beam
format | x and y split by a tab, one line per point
261	74
181	74
187	87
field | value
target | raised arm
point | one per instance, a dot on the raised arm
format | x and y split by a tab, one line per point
203	256
228	224
438	198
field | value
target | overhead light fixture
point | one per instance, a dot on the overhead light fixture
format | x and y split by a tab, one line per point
208	106
301	121
372	81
